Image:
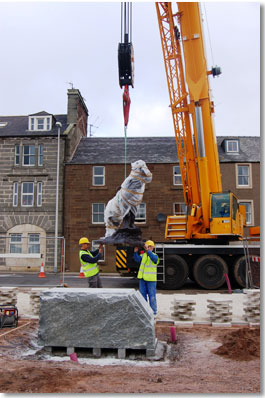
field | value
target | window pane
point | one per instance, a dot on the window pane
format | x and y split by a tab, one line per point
243	170
17	153
40	155
243	175
27	187
98	170
40	124
32	123
29	155
39	195
15	243
248	212
234	208
98	212
48	123
141	213
220	205
27	193
180	208
98	181
232	146
242	180
34	243
15	194
98	175
177	176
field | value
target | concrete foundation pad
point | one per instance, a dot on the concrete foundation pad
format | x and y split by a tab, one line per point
184	324
240	323
221	324
254	324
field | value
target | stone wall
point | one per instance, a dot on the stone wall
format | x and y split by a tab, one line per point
43	217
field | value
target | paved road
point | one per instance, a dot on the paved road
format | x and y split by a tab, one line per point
25	280
53	280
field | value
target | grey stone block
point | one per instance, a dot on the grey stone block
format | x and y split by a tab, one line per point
95	318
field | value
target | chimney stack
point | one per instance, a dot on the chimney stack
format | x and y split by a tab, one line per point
77	111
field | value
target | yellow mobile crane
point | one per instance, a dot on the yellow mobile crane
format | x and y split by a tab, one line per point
198	242
212	213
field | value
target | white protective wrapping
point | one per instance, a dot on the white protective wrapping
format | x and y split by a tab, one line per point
128	197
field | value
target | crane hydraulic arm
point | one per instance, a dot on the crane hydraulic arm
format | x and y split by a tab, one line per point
187	78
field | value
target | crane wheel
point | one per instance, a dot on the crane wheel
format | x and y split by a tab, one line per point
239	271
176	272
209	271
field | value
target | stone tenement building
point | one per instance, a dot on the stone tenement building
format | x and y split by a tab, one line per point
97	170
28	180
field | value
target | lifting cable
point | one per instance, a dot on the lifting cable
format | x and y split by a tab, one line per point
126	68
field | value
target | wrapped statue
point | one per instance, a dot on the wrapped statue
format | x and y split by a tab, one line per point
121	210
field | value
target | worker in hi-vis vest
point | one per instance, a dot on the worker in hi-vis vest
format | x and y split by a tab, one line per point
89	264
147	273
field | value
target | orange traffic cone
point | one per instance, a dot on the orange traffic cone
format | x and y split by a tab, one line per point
81	275
42	275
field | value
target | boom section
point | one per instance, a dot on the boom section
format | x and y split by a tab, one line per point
170	40
196	76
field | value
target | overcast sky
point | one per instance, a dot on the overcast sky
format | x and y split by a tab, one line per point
46	45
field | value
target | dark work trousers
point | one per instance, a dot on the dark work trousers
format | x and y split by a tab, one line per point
94	281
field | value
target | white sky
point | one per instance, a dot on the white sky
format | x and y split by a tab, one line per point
45	45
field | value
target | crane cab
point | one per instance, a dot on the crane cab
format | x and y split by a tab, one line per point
226	216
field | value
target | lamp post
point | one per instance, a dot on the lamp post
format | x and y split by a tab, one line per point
59	125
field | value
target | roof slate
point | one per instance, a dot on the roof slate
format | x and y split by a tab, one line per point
92	150
17	126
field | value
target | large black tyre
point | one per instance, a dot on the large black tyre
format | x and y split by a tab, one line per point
176	272
209	271
239	271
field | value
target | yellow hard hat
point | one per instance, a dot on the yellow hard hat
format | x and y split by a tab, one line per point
83	240
150	243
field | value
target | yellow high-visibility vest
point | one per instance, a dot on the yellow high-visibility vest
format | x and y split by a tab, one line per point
148	269
88	268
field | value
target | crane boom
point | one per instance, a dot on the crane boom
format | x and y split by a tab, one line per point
178	102
199	90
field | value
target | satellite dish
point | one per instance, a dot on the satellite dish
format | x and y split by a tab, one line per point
161	217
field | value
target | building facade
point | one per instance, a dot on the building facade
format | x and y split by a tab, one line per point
97	170
29	181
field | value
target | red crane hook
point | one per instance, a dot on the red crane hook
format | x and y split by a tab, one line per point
126	105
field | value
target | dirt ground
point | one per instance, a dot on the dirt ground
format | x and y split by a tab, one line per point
203	359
